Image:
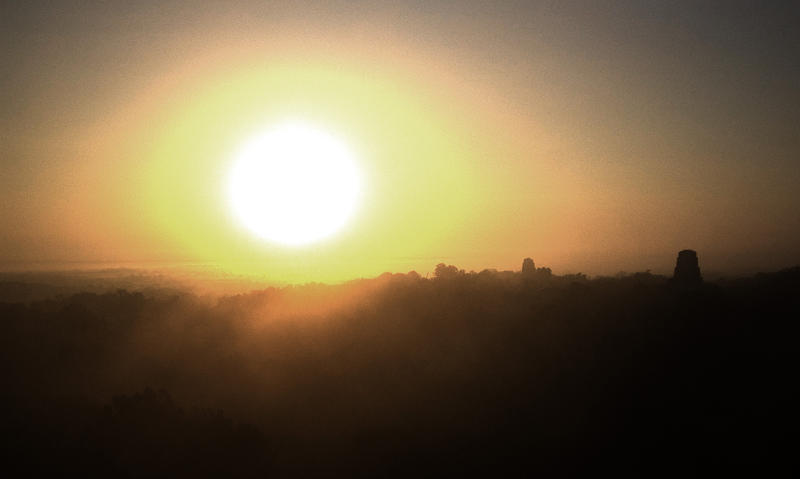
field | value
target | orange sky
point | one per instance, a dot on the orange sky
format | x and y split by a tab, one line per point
594	140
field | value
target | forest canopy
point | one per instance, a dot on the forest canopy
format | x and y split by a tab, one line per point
462	371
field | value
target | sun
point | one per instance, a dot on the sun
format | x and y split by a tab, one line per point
294	184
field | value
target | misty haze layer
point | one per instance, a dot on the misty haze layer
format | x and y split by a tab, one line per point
402	375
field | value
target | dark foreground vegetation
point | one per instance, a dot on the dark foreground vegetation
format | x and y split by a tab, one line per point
459	374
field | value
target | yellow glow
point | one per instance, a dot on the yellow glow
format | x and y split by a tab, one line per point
460	163
294	184
415	172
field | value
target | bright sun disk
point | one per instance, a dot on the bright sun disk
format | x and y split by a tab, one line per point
294	184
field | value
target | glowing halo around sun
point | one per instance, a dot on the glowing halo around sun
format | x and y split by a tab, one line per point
294	184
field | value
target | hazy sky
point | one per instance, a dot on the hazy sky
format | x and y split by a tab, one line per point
592	136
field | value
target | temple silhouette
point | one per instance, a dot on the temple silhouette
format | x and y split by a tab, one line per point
687	269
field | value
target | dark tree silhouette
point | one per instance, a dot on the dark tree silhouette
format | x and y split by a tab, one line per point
463	374
446	272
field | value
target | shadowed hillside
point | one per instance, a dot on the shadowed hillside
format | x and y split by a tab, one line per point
403	375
